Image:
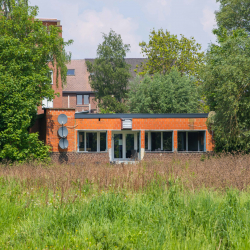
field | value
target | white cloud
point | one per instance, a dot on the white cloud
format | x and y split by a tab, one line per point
86	28
208	20
158	9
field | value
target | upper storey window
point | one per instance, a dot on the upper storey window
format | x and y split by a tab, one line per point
71	72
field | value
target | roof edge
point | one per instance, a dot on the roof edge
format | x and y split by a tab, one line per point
113	116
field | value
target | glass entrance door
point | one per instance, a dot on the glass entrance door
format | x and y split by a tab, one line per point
118	146
130	146
125	145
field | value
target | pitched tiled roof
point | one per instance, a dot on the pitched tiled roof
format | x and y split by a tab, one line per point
80	81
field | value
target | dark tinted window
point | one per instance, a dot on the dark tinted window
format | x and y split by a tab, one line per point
181	141
91	142
81	141
155	141
146	140
167	141
103	141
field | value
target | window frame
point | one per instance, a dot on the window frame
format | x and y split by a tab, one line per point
192	131
84	99
70	74
98	140
47	103
52	82
77	99
149	149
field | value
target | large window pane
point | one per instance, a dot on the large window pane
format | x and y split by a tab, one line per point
192	141
181	141
118	146
103	141
79	99
156	141
81	141
91	142
86	99
146	141
130	147
201	141
167	141
138	142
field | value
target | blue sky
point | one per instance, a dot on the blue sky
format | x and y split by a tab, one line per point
85	20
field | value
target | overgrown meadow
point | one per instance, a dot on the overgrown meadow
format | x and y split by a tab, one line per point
202	204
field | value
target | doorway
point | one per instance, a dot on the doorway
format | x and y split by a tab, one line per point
125	146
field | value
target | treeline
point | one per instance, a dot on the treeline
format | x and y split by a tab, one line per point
178	77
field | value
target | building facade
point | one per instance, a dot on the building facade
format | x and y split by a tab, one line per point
125	137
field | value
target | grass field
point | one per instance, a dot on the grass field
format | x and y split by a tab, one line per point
177	205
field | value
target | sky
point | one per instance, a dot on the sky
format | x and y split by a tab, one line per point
84	21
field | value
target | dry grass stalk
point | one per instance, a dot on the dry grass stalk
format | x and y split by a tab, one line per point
217	172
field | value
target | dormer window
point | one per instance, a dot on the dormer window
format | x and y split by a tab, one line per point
71	72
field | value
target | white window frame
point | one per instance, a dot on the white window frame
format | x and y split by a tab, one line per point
98	140
124	133
46	103
51	71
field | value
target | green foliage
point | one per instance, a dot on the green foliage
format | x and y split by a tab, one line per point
26	47
110	73
170	93
227	89
161	217
165	51
6	6
234	14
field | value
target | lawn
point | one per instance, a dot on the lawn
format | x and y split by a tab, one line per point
157	205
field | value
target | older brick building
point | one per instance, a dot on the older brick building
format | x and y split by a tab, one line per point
77	93
57	101
126	137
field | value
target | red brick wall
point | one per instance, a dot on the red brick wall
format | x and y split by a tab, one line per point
52	126
57	87
72	103
142	125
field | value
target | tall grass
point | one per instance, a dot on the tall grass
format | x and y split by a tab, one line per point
177	205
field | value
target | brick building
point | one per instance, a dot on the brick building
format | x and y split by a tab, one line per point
94	137
57	101
77	93
126	137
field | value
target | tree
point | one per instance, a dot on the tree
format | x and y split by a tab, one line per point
165	51
227	89
26	48
109	74
234	14
170	93
6	6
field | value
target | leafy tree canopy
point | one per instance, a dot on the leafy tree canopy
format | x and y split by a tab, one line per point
165	51
227	89
234	14
170	93
109	74
26	48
